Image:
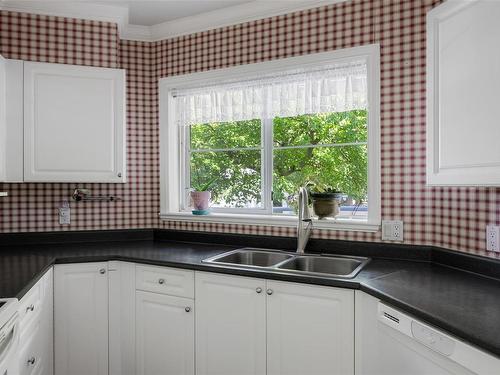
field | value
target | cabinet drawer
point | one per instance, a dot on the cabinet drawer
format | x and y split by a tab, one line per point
165	280
31	351
30	307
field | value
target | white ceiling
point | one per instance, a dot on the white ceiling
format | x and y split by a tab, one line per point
149	13
155	20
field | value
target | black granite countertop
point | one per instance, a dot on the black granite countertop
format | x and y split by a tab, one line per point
463	303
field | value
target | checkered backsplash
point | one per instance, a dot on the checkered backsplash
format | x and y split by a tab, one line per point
450	217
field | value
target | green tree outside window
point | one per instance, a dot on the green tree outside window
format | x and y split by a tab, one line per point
329	148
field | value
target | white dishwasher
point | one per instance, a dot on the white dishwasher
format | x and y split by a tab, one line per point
9	337
389	342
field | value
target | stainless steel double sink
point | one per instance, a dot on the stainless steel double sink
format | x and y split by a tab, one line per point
337	266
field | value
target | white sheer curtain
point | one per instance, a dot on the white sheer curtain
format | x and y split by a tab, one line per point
336	88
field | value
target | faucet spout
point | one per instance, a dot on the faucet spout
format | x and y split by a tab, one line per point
305	223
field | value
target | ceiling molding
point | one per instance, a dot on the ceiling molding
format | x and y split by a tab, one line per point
93	12
136	32
232	15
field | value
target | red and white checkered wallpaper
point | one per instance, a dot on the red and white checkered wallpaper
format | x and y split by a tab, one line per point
449	217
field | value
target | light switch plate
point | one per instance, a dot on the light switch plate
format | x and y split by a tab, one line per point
392	230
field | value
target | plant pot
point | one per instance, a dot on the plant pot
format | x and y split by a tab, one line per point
201	200
325	204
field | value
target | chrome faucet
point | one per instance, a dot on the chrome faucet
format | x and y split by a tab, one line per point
305	223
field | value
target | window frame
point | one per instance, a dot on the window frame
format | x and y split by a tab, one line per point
173	148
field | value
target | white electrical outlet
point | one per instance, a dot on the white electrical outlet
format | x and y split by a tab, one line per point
392	230
493	238
64	213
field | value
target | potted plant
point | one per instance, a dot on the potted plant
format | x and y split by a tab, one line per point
325	199
200	197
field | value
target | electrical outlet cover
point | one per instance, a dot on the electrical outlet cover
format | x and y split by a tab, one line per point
392	230
493	238
64	216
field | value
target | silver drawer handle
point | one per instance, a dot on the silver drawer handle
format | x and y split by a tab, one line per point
258	290
161	281
269	292
31	361
30	308
102	271
187	309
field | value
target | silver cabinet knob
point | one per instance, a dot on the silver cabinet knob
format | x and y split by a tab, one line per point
119	174
161	281
102	271
269	292
187	309
30	308
31	361
258	290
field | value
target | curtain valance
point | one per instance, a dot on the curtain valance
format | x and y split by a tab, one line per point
334	88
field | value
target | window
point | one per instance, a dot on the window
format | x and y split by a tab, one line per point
326	148
256	133
229	157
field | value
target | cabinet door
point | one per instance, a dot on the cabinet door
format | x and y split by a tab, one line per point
3	121
463	77
74	123
81	319
310	330
14	132
230	325
165	334
36	328
121	318
47	319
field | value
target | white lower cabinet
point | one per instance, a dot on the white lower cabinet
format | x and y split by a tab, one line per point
105	325
230	325
121	277
81	319
254	326
164	334
36	328
164	321
120	318
310	330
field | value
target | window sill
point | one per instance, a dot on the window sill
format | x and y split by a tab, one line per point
281	221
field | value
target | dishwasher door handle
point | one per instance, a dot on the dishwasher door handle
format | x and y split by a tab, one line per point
394	319
420	332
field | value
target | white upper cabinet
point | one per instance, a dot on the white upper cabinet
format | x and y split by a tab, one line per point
74	123
463	92
3	141
11	120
